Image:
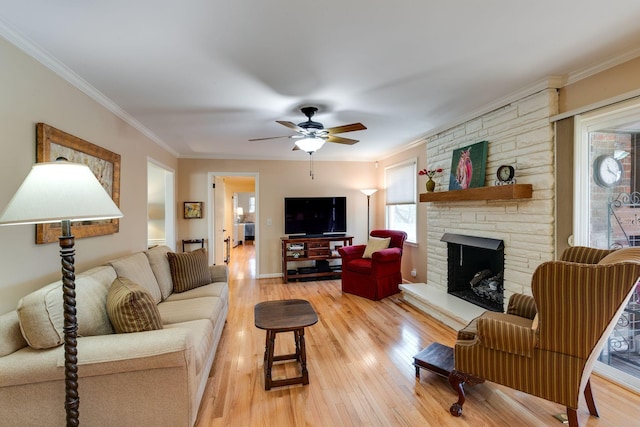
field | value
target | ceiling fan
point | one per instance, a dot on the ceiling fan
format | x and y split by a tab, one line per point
312	135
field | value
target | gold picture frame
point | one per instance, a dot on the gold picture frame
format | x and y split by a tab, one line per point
192	210
52	143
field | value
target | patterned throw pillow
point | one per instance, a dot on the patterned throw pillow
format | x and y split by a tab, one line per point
189	270
131	307
376	244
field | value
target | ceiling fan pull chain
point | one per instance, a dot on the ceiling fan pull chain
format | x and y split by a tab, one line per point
311	165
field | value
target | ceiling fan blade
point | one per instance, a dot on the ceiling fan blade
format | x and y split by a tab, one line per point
341	140
346	128
291	125
271	137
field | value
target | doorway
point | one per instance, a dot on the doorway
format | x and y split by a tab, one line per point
234	206
160	205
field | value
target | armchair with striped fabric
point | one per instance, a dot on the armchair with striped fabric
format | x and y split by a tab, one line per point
546	344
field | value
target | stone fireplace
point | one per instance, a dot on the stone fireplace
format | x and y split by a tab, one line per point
521	134
475	270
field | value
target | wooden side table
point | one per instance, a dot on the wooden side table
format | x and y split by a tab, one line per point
191	241
284	316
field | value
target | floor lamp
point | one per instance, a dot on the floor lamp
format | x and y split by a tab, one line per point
62	192
368	192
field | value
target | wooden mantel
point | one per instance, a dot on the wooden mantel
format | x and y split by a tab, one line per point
496	192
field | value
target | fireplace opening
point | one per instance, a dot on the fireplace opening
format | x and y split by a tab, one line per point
476	270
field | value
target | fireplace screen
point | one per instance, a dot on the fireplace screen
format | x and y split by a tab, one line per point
475	270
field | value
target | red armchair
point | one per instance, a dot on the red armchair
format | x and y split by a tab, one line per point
376	277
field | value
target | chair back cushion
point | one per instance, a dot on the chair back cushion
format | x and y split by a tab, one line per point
397	237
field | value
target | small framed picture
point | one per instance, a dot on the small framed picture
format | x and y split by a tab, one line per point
192	210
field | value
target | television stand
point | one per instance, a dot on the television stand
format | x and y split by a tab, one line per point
321	250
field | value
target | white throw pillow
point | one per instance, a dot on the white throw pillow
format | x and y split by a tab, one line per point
376	244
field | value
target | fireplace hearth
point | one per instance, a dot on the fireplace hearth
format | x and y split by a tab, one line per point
476	270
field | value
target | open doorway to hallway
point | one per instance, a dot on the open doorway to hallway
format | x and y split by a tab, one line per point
160	206
234	222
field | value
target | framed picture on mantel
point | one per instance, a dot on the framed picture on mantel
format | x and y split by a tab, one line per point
468	166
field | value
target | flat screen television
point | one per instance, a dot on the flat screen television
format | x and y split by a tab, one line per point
311	216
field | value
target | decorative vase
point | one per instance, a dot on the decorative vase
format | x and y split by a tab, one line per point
431	185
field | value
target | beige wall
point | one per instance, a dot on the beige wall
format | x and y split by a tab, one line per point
31	93
276	180
613	82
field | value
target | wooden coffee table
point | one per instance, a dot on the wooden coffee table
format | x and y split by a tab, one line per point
436	358
285	316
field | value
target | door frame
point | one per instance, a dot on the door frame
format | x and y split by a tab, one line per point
212	220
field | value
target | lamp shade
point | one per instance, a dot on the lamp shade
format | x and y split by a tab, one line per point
57	191
369	191
310	144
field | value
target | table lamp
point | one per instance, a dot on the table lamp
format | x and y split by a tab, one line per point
62	191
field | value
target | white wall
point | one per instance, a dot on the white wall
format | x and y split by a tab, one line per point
31	93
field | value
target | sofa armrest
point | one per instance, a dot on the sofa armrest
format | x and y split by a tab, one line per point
522	305
387	255
219	273
351	252
506	336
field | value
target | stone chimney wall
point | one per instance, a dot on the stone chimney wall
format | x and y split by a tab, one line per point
519	134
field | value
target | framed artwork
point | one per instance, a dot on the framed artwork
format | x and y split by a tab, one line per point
52	143
468	166
192	210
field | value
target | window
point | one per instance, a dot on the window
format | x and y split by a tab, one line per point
401	207
606	215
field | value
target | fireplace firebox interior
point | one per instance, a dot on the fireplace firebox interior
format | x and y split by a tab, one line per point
476	270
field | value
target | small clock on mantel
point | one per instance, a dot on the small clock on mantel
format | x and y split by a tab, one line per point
505	175
607	170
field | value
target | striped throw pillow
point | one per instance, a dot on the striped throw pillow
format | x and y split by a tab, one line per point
189	270
131	307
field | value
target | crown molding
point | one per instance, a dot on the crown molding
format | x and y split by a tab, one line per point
32	49
603	66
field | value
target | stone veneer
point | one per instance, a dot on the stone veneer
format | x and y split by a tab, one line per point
519	134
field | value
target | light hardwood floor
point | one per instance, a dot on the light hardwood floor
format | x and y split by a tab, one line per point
360	357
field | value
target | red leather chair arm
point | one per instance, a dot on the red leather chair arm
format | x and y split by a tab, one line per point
351	252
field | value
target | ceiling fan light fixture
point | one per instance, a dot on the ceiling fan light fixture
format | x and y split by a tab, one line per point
310	144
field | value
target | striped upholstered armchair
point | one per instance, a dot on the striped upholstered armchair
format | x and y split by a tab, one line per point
546	345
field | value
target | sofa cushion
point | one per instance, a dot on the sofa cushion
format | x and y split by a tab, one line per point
217	289
190	309
41	312
160	266
376	244
137	269
131	307
189	270
11	338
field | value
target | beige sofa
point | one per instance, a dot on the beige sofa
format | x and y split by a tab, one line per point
150	378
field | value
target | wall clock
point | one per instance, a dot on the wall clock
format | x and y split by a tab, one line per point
607	170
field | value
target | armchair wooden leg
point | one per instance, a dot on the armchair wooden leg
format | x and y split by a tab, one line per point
591	404
572	416
457	380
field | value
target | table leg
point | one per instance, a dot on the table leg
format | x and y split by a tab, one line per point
271	341
303	358
296	334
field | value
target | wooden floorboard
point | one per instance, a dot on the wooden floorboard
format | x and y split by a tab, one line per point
360	356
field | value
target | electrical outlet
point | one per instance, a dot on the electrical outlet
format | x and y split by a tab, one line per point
269	222
414	273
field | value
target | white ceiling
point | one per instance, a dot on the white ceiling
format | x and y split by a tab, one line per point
204	76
